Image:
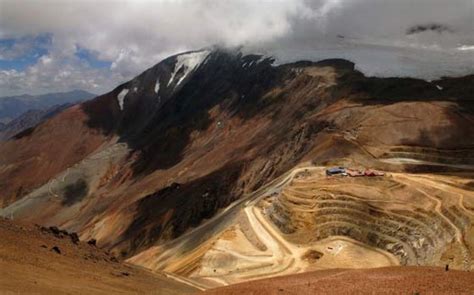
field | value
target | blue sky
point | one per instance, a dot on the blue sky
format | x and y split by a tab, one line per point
19	53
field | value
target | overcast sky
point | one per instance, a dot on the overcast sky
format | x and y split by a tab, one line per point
48	46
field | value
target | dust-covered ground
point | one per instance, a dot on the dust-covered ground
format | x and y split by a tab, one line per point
387	280
36	260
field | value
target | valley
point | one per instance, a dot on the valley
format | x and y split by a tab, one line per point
209	169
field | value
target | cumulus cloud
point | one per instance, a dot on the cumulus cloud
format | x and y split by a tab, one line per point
51	73
133	35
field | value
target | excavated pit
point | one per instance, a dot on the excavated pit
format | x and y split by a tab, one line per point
388	213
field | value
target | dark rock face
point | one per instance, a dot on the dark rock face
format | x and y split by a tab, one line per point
92	242
434	27
56	249
61	233
74	238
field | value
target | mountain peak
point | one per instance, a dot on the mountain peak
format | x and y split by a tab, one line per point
186	63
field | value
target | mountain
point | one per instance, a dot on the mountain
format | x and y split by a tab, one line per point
13	106
211	165
29	119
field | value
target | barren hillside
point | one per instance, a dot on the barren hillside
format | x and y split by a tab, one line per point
35	260
211	165
389	280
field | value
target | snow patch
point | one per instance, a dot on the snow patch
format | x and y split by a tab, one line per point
121	97
135	89
157	85
257	60
189	62
439	87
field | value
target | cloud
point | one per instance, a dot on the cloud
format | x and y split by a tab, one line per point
466	47
51	73
134	35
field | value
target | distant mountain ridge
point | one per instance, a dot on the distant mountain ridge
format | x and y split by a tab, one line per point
13	106
29	119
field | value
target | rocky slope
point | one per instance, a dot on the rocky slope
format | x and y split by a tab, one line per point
149	165
40	260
